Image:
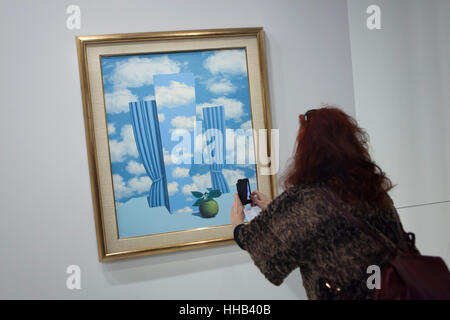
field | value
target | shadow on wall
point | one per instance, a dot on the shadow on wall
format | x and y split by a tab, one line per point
170	265
295	284
173	264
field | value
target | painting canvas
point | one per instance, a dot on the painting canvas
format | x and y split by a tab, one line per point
180	89
173	119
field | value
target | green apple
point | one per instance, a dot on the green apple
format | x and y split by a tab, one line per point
209	208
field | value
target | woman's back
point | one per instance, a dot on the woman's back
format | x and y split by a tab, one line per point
339	242
302	228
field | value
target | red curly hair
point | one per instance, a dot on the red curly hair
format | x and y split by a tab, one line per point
332	148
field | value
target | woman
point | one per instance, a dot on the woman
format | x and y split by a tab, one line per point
302	228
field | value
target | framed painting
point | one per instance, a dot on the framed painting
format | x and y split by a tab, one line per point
173	120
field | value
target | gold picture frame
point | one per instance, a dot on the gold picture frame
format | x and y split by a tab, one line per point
90	50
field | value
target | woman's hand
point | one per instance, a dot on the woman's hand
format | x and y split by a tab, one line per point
260	199
237	212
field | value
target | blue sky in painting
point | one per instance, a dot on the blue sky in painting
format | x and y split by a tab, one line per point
220	78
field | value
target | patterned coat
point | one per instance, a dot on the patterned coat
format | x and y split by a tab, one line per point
300	228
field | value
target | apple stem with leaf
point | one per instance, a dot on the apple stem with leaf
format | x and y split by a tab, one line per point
206	196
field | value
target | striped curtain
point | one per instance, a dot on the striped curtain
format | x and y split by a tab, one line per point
144	119
214	118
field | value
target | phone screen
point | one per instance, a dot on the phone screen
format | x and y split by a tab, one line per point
243	188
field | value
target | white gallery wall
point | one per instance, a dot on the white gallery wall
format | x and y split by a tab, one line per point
401	76
317	52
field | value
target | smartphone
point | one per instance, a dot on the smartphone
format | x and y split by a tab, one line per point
244	192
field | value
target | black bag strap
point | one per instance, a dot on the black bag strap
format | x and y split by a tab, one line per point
392	247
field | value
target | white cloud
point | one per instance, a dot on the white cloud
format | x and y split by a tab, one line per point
161	117
137	72
232	176
140	184
188	188
167	157
176	157
182	122
135	168
184	210
201	182
148	98
240	147
174	95
199	144
179	157
111	129
127	146
118	101
123	189
227	61
189	199
246	125
179	172
233	109
223	86
172	188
